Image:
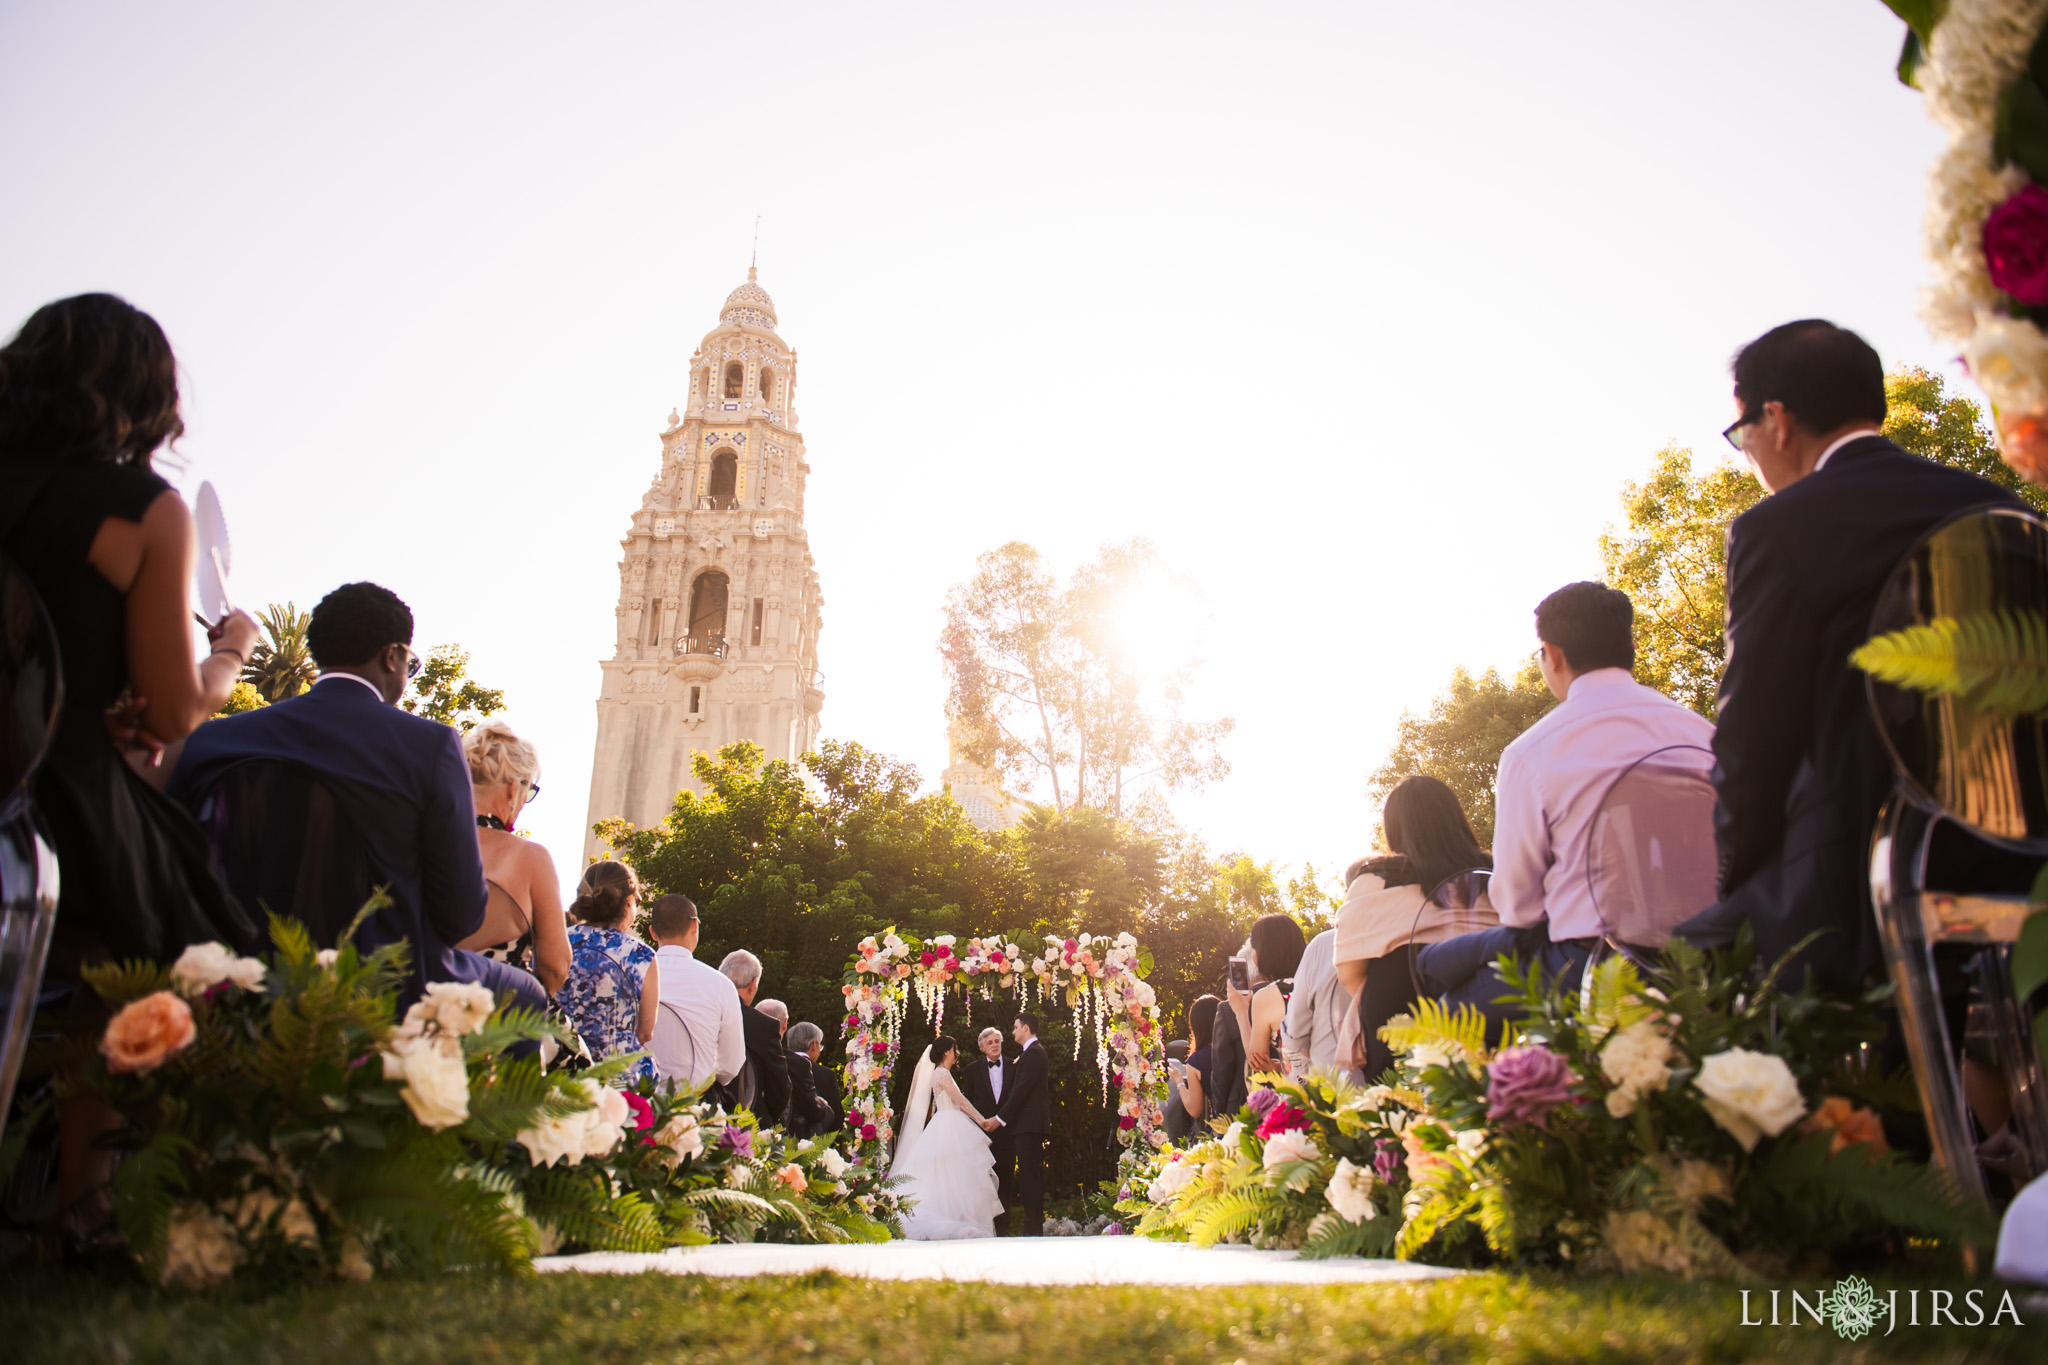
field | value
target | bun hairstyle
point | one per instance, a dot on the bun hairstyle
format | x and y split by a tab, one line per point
940	1048
601	895
497	756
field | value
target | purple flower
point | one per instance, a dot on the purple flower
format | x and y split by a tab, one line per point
1386	1160
1262	1101
740	1140
1524	1084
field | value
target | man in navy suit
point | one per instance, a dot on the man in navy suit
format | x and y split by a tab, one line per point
401	784
1799	768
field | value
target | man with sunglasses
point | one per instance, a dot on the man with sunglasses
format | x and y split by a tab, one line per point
400	788
1800	772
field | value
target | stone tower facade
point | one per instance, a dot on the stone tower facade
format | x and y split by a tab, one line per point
719	609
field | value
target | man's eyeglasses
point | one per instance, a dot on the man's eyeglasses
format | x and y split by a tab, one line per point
413	662
1732	433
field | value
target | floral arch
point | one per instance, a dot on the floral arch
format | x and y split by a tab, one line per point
1100	979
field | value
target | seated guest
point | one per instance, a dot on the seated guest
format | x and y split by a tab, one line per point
523	921
1548	789
827	1081
701	997
808	1114
1191	1082
614	986
1274	950
1317	1009
400	781
1799	769
1388	915
765	1087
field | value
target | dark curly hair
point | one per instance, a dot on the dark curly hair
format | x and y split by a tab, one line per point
352	624
88	378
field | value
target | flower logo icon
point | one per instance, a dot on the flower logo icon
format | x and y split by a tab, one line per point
1853	1308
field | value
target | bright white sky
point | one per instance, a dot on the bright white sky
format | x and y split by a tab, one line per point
1362	313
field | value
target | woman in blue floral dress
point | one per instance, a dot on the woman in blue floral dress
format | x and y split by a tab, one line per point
612	990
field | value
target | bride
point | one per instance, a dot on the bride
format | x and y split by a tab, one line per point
944	1159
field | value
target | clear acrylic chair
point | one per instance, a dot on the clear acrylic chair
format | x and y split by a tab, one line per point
1971	770
1651	860
1460	906
31	694
673	1047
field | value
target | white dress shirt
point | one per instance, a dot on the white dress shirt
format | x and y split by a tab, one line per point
710	1008
995	1079
1551	782
1316	1008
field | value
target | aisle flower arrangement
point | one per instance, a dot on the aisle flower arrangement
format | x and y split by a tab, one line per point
1101	979
1987	215
1709	1127
277	1118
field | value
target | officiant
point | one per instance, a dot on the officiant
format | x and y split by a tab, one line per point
982	1081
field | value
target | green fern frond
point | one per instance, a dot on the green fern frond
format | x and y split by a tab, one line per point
721	1197
578	1204
1884	1187
1998	660
117	983
1430	1024
146	1187
1438	1211
1230	1216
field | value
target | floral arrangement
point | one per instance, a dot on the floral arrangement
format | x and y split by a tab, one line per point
1101	979
278	1118
1718	1125
1987	217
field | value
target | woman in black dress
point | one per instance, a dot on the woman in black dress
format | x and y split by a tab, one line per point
88	393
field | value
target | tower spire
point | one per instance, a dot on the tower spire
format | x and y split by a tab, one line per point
754	264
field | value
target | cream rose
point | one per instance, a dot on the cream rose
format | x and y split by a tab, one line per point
147	1032
1293	1145
1177	1176
1637	1059
684	1138
832	1163
1750	1094
203	966
458	1007
1350	1192
608	1124
436	1085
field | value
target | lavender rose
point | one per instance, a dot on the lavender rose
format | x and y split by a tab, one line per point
2016	245
1524	1084
740	1141
1262	1101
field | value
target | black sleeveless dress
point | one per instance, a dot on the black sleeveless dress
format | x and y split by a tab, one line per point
136	875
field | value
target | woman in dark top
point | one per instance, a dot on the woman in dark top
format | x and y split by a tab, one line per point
88	392
1191	1080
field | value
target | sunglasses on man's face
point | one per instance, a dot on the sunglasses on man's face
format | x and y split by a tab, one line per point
413	662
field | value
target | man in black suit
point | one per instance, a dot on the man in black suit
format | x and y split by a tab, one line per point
766	1064
808	1114
1026	1114
1799	768
827	1081
401	783
985	1081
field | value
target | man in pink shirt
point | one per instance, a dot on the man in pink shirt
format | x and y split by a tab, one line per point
1549	788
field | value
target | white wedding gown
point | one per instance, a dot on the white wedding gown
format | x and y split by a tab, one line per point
945	1162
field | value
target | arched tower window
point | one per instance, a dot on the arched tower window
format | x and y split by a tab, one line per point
707	611
725	476
735	379
767	385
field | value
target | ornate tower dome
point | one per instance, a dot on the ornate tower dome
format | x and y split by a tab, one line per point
749	305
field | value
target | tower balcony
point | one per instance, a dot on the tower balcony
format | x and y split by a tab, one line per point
713	646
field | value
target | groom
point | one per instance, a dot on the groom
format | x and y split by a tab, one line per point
1026	1114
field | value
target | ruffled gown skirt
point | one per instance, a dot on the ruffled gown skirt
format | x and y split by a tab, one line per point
951	1173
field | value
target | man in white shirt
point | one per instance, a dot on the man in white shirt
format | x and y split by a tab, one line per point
698	995
1316	1009
1550	784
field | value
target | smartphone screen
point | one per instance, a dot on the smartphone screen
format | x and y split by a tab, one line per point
1240	975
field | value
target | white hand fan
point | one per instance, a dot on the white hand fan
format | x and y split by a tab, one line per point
216	556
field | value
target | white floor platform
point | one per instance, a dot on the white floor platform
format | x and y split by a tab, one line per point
1010	1260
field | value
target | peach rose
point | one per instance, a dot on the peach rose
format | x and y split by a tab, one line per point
146	1032
1851	1126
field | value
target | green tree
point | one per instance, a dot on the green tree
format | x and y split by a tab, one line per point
1460	739
281	665
444	691
1046	687
1923	417
244	697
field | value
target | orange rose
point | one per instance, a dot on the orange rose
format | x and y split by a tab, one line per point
1851	1126
147	1031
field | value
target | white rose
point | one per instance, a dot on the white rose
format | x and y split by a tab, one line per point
2008	357
552	1140
609	1125
1232	1136
832	1163
327	957
1471	1141
1434	1054
201	967
682	1136
1350	1192
1176	1177
201	1248
1750	1094
459	1007
1293	1145
248	973
436	1086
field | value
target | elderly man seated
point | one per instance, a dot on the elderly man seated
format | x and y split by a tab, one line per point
764	1084
1548	790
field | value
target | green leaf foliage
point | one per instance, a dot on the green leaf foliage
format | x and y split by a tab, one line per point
1998	661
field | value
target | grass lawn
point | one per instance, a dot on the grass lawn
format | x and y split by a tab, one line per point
595	1320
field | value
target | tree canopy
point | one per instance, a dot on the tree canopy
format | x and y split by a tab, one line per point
444	691
1459	740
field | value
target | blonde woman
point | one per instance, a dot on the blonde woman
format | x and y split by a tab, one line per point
523	923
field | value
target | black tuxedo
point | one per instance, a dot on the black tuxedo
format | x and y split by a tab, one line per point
770	1066
808	1114
976	1084
1026	1112
1799	768
827	1081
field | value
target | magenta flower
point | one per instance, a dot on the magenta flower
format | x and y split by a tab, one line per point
2016	245
739	1140
1262	1100
867	1132
643	1112
1127	1122
1284	1118
1386	1160
1524	1084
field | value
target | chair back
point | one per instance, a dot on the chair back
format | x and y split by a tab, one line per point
31	687
286	845
673	1046
1651	859
1461	905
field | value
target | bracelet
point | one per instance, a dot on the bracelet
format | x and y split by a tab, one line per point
230	649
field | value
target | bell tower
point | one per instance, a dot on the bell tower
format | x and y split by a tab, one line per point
719	610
